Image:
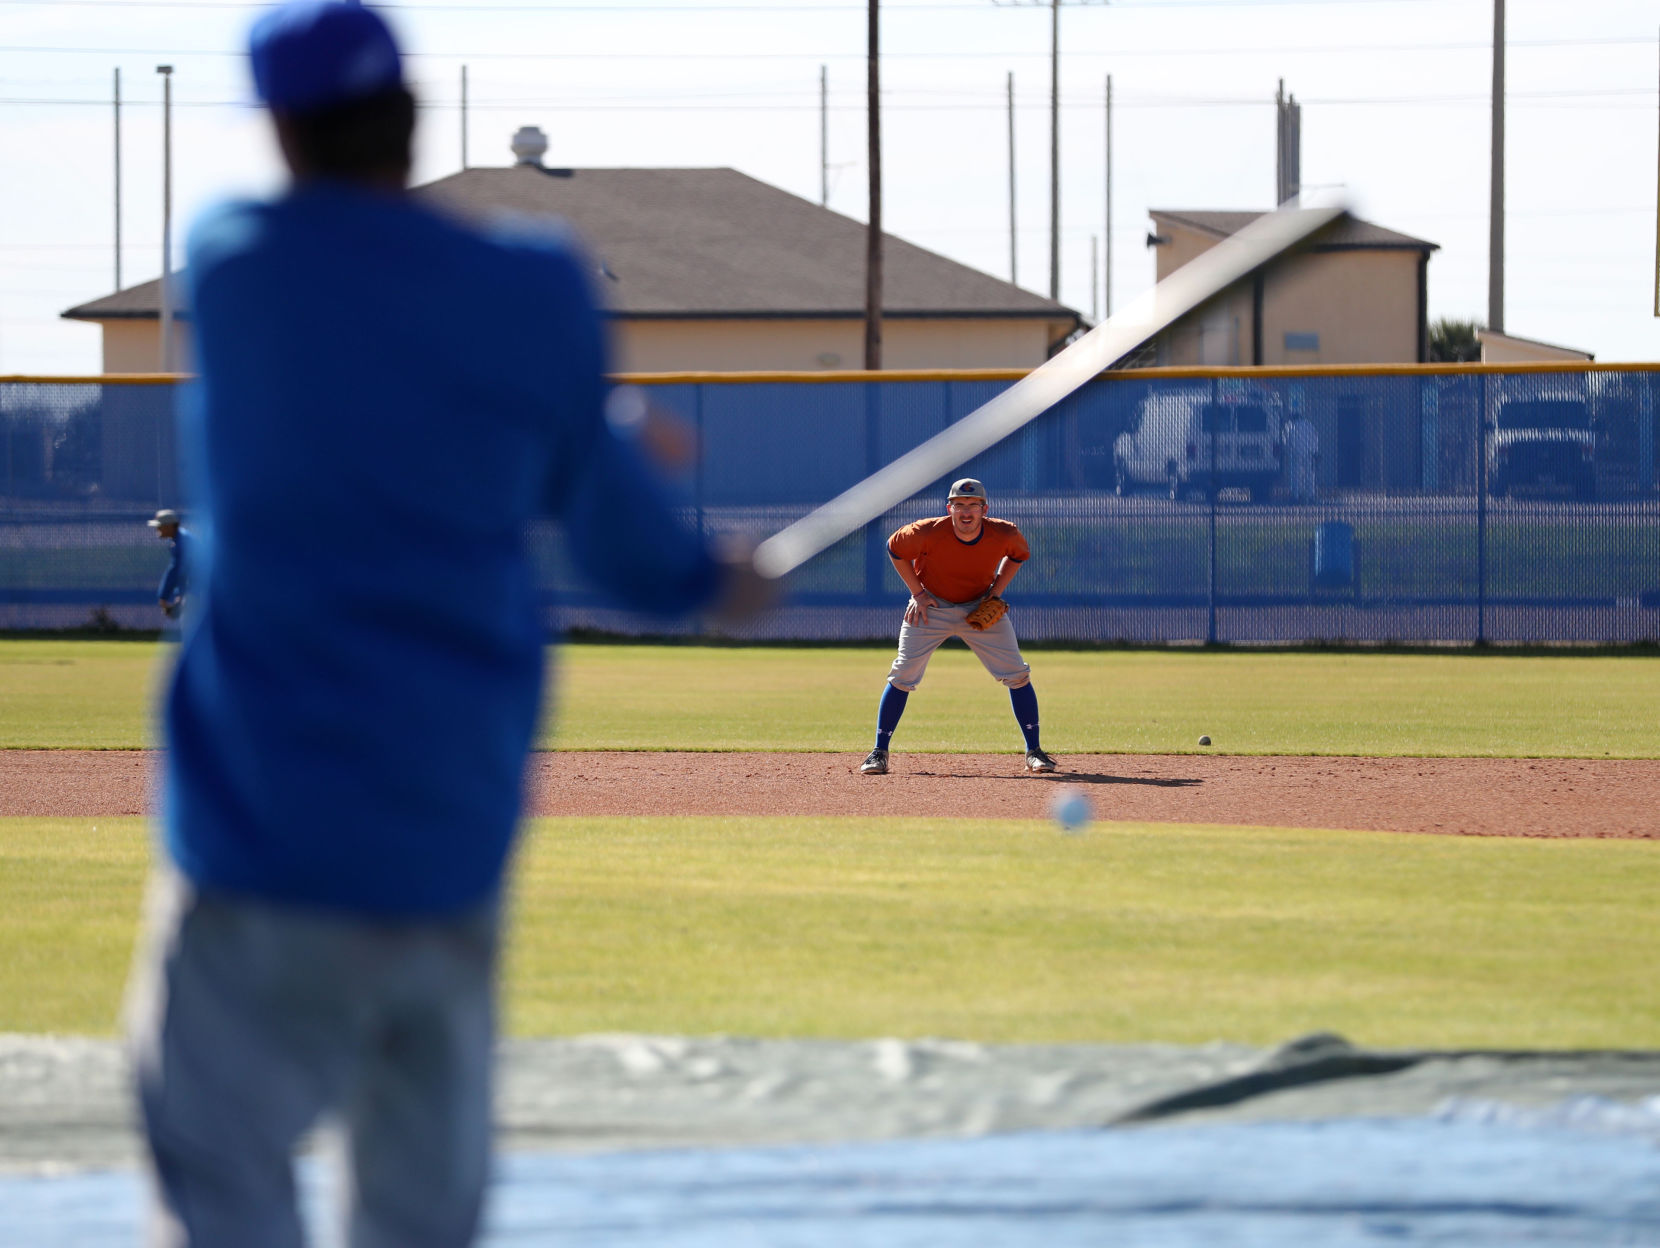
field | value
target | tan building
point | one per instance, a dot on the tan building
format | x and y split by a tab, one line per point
1358	295
710	269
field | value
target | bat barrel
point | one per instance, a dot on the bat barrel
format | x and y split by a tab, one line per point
1236	257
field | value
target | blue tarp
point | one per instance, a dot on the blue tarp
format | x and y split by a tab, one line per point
1557	1175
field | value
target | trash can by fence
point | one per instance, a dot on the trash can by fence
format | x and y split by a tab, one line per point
1332	561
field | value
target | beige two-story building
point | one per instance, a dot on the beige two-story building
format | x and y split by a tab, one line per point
1357	295
710	269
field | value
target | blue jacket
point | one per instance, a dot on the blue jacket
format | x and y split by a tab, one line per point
175	582
385	399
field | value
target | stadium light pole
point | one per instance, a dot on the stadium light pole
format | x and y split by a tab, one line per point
166	72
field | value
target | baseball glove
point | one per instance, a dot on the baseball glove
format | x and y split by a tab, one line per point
987	613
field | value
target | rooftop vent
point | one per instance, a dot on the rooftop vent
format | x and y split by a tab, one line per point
529	146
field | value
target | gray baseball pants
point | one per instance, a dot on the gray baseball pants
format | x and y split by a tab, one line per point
249	1022
996	647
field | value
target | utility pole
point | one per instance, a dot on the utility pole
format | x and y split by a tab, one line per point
1055	149
1014	272
166	72
873	231
1106	280
1288	146
1054	134
1495	210
463	117
118	179
823	136
1094	281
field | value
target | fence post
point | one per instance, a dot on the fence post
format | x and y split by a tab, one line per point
1429	435
875	548
1645	430
1481	515
702	452
160	500
699	625
1210	490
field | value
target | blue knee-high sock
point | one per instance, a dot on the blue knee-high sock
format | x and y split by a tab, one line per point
1024	701
888	711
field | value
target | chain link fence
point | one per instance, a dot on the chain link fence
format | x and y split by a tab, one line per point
1450	504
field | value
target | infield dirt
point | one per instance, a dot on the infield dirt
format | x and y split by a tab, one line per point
1453	796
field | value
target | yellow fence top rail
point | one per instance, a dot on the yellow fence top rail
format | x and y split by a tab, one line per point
97	379
846	376
1136	374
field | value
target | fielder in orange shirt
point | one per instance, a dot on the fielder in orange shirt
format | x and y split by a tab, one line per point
952	564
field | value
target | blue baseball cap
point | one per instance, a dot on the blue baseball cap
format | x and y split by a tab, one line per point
313	54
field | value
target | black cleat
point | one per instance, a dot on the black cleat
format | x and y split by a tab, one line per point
1037	760
876	764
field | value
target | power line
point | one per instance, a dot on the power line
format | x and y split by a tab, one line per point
589	102
935	6
973	231
1115	53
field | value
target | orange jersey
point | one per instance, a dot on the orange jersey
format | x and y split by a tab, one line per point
951	569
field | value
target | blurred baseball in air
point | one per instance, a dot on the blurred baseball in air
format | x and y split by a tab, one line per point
1071	810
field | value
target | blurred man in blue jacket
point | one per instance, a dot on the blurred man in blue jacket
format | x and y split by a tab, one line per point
359	678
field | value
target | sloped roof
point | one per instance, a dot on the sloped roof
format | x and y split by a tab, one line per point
1349	234
1485	336
675	243
141	302
718	241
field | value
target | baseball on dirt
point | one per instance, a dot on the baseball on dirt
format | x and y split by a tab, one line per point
1071	810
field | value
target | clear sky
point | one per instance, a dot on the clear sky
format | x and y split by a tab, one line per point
1395	114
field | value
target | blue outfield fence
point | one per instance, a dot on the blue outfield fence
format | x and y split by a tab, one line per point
1430	504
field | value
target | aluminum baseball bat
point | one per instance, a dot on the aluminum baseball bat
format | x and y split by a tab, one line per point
1201	279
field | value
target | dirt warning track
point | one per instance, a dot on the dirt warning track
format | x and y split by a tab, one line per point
1452	796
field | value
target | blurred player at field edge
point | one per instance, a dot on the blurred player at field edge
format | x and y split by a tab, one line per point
1302	457
175	582
355	695
951	564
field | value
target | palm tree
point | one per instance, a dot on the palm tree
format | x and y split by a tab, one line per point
1454	342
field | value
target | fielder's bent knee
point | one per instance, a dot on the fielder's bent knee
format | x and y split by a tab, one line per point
902	686
1016	682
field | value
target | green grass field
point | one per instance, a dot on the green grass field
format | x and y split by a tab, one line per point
95	694
990	931
974	929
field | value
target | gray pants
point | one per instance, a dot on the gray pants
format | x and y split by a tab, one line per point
249	1022
996	647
